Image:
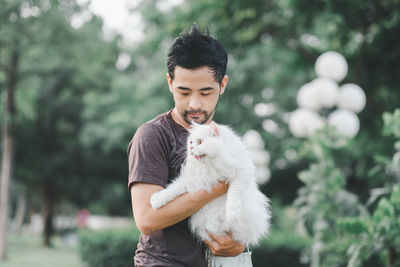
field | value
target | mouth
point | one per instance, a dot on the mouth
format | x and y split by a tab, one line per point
195	115
199	157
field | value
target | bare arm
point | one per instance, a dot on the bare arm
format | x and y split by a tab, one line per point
149	220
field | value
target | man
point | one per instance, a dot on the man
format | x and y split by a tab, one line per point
196	78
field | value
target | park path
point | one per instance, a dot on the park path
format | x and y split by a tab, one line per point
26	250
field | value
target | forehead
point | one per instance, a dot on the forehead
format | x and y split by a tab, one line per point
194	78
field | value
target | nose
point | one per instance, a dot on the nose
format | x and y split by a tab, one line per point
194	103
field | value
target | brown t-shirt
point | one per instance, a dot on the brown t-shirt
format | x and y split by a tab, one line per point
156	153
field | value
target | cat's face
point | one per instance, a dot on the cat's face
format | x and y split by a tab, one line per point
201	142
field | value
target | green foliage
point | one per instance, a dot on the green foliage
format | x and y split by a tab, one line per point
58	66
392	123
351	235
323	199
110	199
285	255
115	248
353	226
76	112
376	234
283	246
108	248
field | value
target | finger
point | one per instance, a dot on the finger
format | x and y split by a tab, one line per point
208	243
229	234
225	239
212	236
213	246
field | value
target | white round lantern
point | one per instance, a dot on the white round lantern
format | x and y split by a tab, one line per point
327	91
352	97
332	65
264	109
345	121
262	174
252	139
304	122
260	157
307	97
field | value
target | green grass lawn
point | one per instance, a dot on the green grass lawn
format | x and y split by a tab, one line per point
26	250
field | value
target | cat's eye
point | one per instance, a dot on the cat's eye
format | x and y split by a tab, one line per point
191	142
199	141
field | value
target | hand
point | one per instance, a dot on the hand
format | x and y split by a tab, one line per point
224	245
219	189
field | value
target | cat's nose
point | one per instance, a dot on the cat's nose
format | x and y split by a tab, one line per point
191	148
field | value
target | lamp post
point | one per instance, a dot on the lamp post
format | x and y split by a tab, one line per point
322	101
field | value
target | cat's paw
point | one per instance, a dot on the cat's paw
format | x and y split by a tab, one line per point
157	200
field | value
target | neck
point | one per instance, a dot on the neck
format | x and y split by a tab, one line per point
177	118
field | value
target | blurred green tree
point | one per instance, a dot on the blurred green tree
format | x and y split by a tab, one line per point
57	65
77	112
272	46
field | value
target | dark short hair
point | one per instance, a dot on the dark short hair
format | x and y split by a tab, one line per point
197	49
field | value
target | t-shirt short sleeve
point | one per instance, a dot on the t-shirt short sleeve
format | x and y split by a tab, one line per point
148	156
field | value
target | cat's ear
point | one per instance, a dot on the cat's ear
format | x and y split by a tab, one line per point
214	128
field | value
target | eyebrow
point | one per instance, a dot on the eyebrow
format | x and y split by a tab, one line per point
188	89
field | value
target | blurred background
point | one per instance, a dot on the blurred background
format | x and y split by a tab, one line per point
78	77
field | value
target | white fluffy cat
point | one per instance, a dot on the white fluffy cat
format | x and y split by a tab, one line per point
215	153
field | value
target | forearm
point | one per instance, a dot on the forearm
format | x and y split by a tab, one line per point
177	210
150	220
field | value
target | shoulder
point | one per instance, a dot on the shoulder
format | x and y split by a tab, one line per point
148	130
156	127
152	133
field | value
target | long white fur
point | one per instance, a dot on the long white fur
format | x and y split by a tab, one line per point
244	210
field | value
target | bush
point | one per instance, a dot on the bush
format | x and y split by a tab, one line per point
282	248
115	248
265	256
108	248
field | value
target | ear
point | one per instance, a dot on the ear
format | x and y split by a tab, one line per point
214	128
170	80
223	84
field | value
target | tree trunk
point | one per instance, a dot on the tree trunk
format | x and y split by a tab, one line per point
392	256
7	136
48	215
5	181
19	214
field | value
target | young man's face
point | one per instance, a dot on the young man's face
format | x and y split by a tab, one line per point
196	94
